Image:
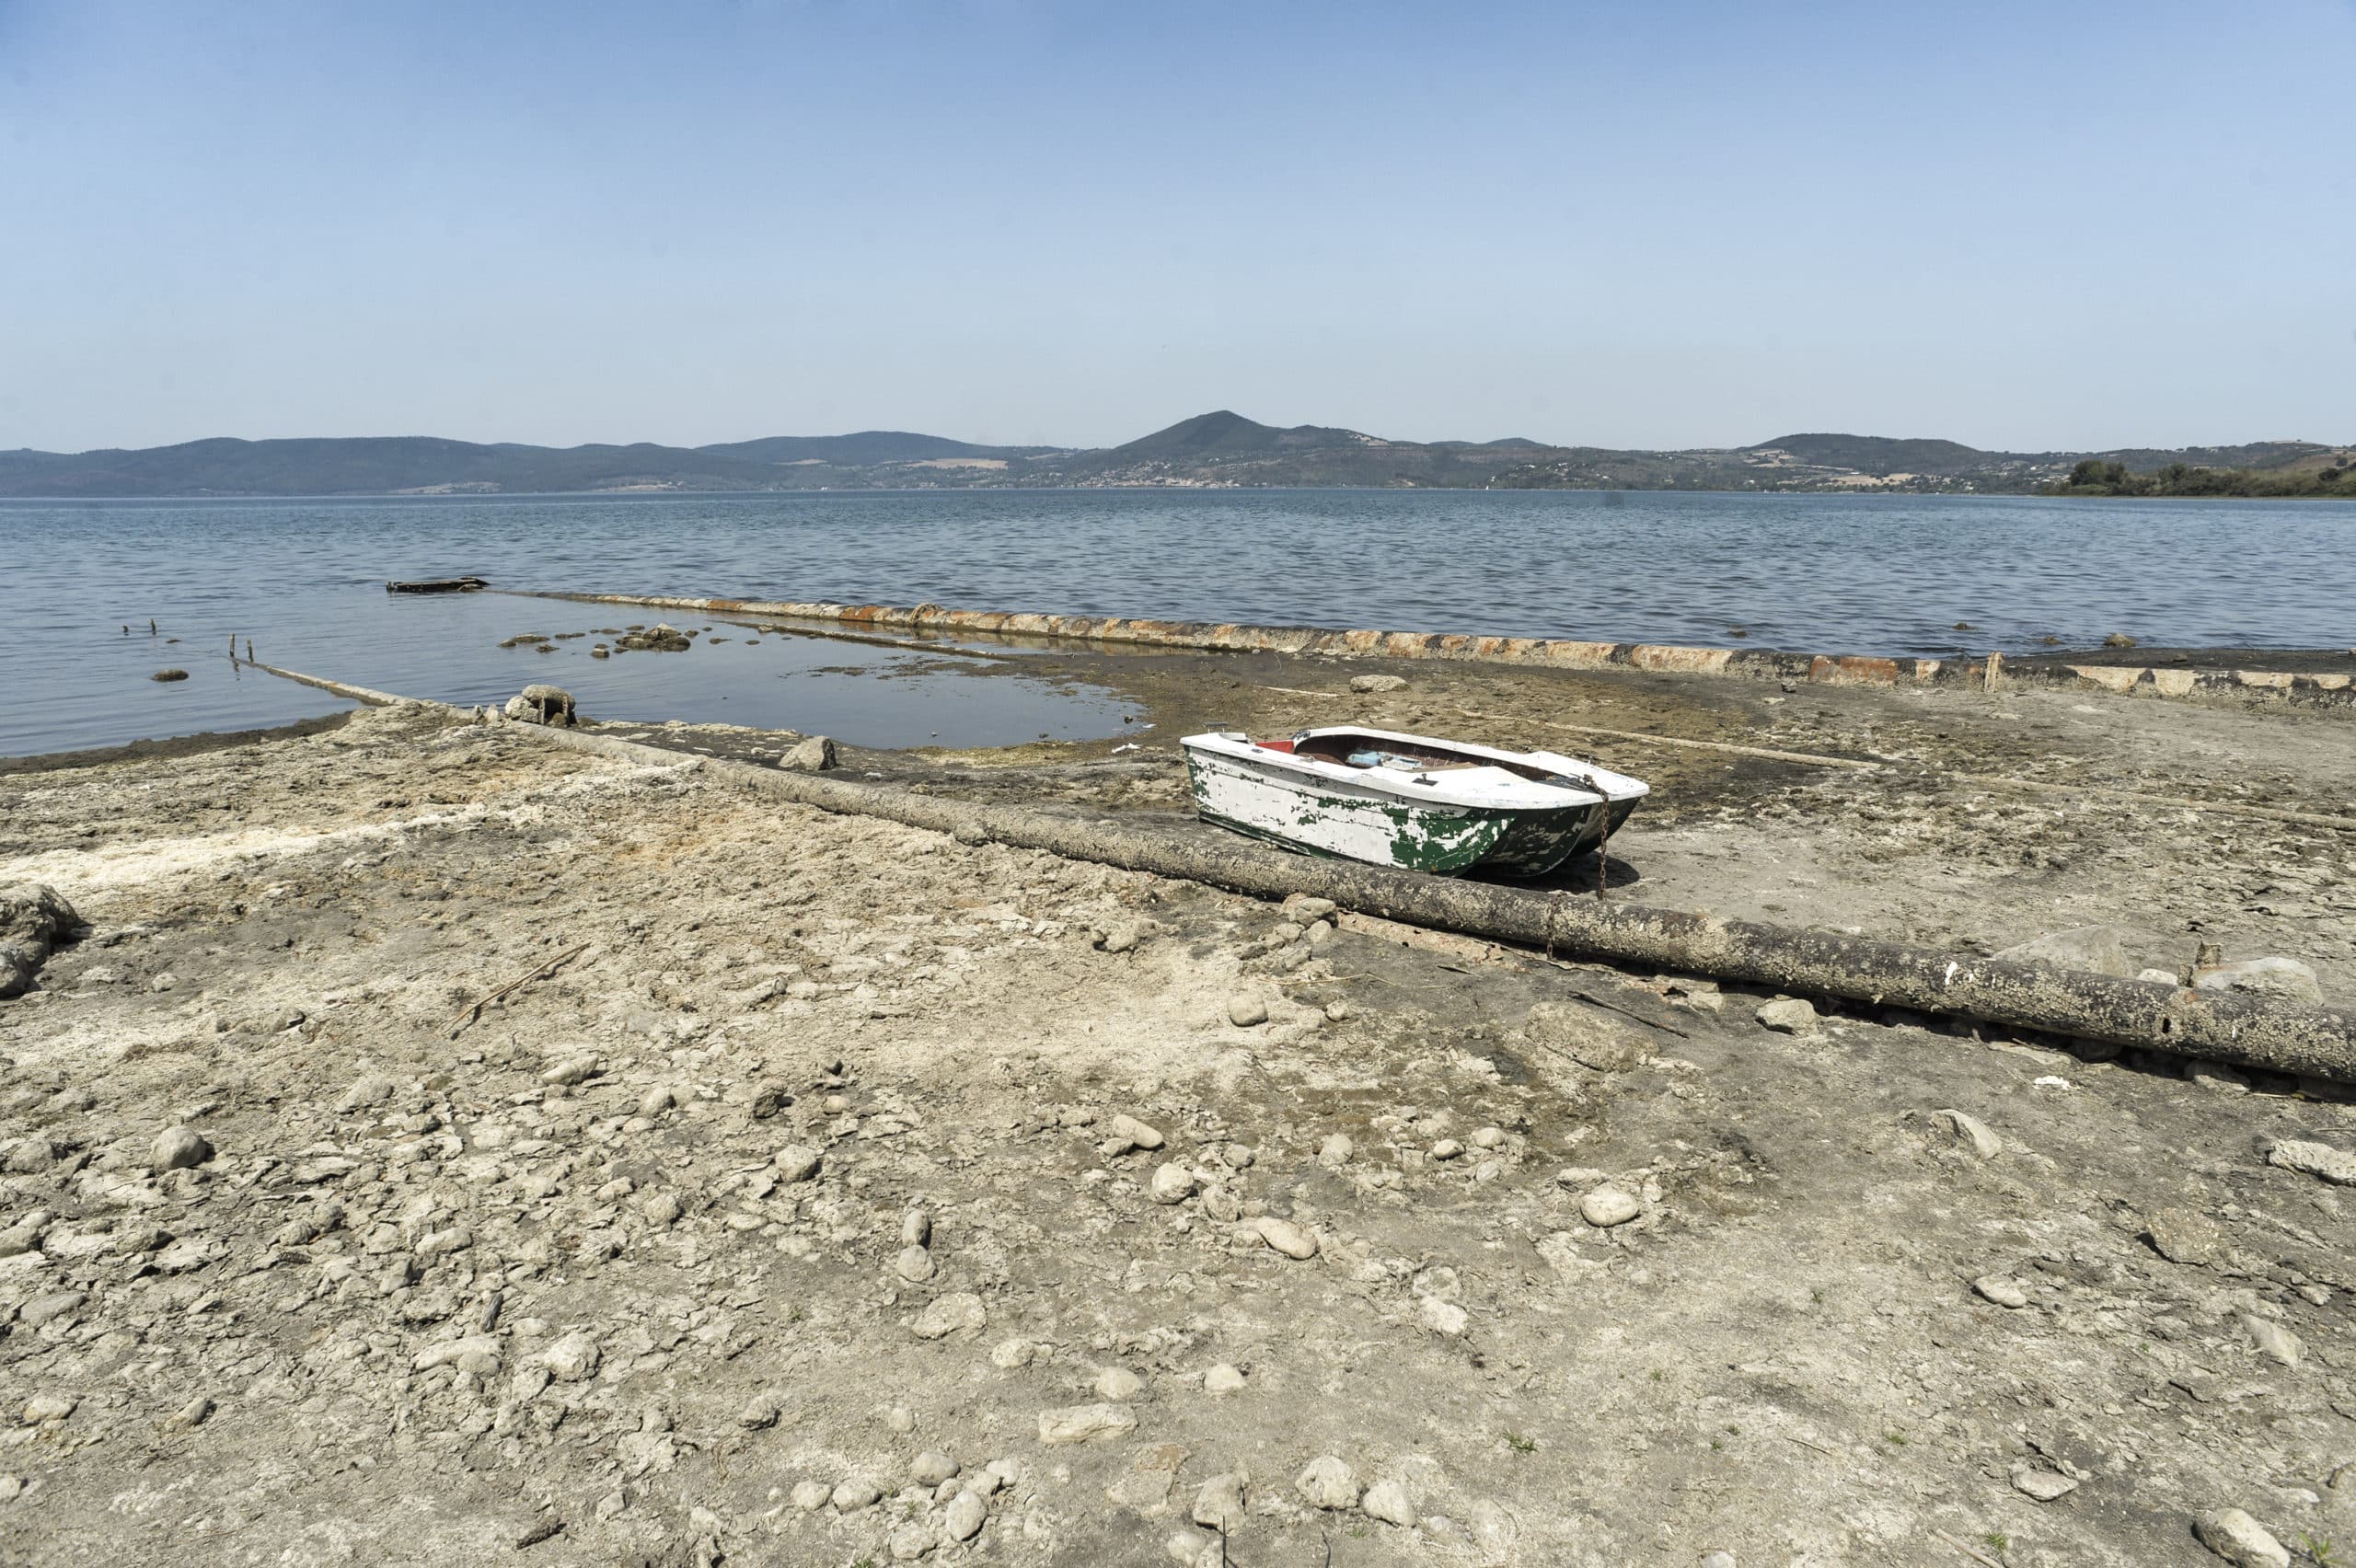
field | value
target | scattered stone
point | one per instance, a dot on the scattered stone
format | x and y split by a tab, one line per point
194	1413
1246	1011
1791	1015
168	676
2119	640
656	639
572	1070
946	1315
815	755
1389	1502
1220	1501
372	1090
2045	1486
931	1467
1969	1129
1446	1148
2280	979
1009	1354
761	1412
796	1162
2272	1340
914	1265
1327	1482
1173	1183
916	1228
33	916
1366	684
1337	1010
2333	1165
1293	1240
180	1148
810	1495
43	1408
1119	1383
1222	1378
1124	1132
2098	950
2240	1539
967	1512
1607	1206
541	703
1336	1150
1445	1319
2001	1289
2185	1236
1123	937
1085	1424
911	1541
572	1360
853	1494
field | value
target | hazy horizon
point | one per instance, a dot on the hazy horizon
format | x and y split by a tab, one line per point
1694	226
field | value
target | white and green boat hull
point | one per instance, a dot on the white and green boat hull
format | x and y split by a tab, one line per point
1334	817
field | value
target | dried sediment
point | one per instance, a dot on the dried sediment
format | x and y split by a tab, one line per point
817	1212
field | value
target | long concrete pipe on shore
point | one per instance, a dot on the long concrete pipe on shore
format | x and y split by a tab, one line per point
2217	1026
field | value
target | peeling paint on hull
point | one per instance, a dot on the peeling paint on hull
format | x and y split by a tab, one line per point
1337	822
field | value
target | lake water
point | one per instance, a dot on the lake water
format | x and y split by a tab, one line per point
1852	574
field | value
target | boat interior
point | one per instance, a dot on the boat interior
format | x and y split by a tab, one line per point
1372	751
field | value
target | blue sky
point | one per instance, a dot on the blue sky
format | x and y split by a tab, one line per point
2028	226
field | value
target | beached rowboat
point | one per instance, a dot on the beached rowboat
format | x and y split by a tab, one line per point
1411	801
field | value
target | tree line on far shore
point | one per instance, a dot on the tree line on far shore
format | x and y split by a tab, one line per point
2096	476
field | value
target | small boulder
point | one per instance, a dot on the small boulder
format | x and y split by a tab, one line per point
181	1148
2333	1165
2119	640
2241	1540
813	754
1368	684
1173	1183
1327	1482
2001	1289
1792	1015
656	639
948	1314
1390	1501
541	703
1971	1130
1293	1240
2099	950
1219	1501
168	676
2278	979
1246	1011
967	1512
33	918
1607	1206
2185	1236
1125	1132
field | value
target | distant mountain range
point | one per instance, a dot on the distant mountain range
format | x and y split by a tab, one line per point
1219	449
